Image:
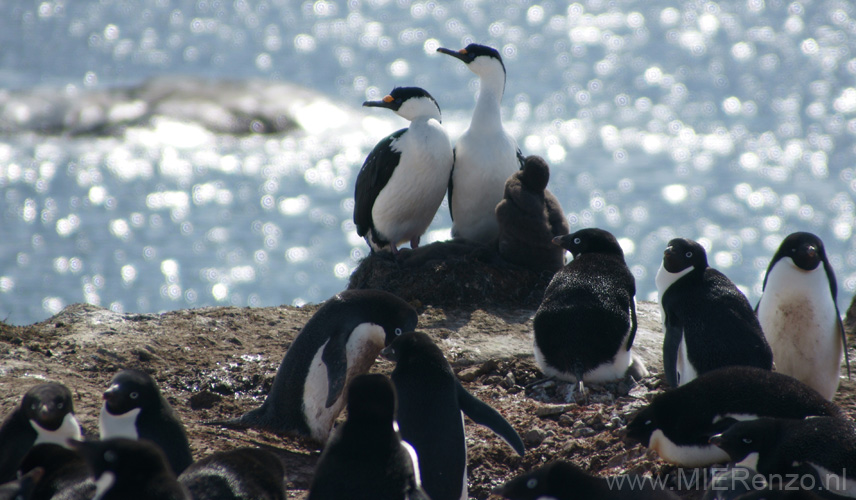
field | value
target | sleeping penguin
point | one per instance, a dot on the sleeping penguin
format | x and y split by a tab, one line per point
340	341
585	325
403	180
134	408
45	415
431	405
821	447
799	314
708	322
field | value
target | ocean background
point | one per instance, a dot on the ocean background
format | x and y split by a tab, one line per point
165	154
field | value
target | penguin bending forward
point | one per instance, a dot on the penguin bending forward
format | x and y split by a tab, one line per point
45	415
586	323
403	180
798	312
341	340
431	405
707	320
485	155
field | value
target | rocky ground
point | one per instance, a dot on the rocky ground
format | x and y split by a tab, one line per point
216	363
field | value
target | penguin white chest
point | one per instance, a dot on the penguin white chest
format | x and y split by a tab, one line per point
800	322
69	429
406	206
118	426
362	348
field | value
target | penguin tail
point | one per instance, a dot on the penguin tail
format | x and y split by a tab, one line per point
582	398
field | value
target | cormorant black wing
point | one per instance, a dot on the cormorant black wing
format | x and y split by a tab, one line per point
373	177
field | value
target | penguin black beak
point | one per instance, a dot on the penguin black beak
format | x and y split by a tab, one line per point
557	241
457	54
716	440
811	251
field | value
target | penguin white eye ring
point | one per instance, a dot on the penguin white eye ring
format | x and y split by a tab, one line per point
60	405
747	440
110	456
689	254
398	331
577	241
532	483
135	395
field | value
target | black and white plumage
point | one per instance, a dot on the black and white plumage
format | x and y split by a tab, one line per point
128	469
340	341
679	423
707	320
238	474
45	415
822	447
485	155
529	217
403	180
365	458
733	483
431	405
134	408
586	323
562	480
799	314
22	488
65	473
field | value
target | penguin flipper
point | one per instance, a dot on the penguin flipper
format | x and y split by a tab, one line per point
671	344
633	324
483	414
16	443
336	360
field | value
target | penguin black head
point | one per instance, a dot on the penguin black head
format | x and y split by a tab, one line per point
398	316
554	480
643	426
683	253
805	249
535	173
47	405
747	437
407	102
371	398
414	347
589	240
122	456
474	53
131	389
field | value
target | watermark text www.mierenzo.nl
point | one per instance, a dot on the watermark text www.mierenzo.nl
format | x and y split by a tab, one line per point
700	479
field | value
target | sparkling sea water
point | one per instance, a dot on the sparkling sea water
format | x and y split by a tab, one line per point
157	154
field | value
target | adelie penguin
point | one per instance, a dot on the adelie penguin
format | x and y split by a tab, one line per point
127	469
134	408
485	155
340	341
65	473
239	474
586	323
562	480
22	488
821	447
365	458
707	320
403	180
679	423
45	415
799	314
431	401
529	218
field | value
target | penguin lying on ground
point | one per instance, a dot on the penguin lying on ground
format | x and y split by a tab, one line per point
585	326
485	155
431	402
45	415
822	447
127	469
529	217
22	488
65	473
708	322
799	314
403	180
365	458
341	340
678	423
134	408
561	480
239	474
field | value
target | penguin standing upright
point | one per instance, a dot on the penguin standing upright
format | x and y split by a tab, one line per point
134	408
529	217
45	415
799	314
403	180
431	401
340	341
127	469
485	155
708	322
365	458
585	325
